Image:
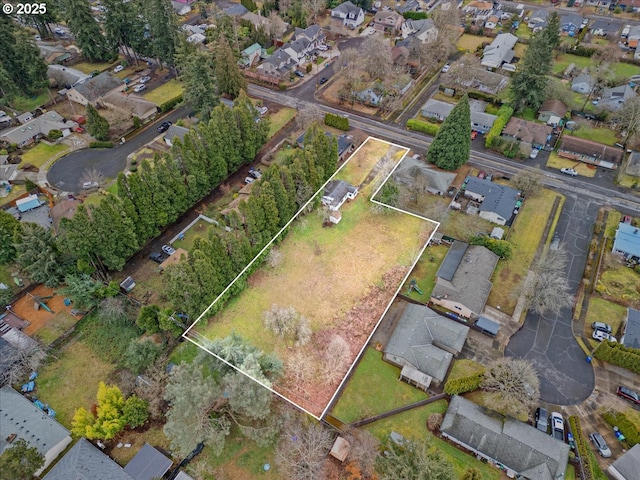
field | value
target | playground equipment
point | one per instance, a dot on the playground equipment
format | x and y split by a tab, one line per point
413	285
39	301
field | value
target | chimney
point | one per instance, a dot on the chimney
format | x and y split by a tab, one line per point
11	438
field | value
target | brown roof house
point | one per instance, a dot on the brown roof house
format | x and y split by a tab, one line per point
463	279
527	132
388	22
94	89
63	209
134	105
552	112
591	152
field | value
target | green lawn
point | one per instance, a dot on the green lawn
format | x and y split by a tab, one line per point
61	323
465	368
113	188
525	235
43	153
200	229
170	90
358	401
28	104
425	272
583	169
87	67
471	42
620	282
621	70
600	135
279	119
601	310
6	277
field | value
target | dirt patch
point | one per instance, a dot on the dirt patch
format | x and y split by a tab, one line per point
39	318
330	94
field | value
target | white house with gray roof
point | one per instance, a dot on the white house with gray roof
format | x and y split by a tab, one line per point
175	132
294	53
439	110
37	128
424	30
520	449
500	51
497	202
21	419
349	14
336	192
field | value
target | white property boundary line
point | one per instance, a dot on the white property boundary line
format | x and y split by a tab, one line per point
188	334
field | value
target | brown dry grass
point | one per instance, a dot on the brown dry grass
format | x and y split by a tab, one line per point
24	308
330	94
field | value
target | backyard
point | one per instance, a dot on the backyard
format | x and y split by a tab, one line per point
425	272
382	247
471	42
279	119
600	135
164	93
620	70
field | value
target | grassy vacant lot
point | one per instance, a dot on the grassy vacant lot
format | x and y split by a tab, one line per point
359	401
412	424
621	70
56	327
525	235
164	93
279	119
72	381
87	67
425	272
619	281
601	310
601	135
27	104
558	162
42	153
471	42
321	281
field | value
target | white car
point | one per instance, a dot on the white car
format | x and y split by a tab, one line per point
446	68
534	153
145	79
323	47
168	249
118	69
139	88
600	336
569	171
58	31
557	426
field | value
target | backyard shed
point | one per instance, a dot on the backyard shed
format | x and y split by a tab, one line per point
340	449
147	464
488	327
497	233
128	284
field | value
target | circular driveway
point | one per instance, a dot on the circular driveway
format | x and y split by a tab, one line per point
547	341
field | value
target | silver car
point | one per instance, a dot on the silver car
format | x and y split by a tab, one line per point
600	444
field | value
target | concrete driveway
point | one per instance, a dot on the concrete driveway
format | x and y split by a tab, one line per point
547	341
66	173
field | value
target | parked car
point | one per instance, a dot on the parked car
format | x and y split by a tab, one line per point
446	68
119	68
164	126
600	336
557	426
605	327
569	171
145	79
249	180
298	73
323	47
58	31
474	134
262	110
323	80
168	249
542	419
38	38
139	88
600	444
255	172
534	153
157	257
629	394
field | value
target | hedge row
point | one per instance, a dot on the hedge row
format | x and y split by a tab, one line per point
455	386
618	354
504	114
101	145
169	104
626	426
424	127
590	466
336	121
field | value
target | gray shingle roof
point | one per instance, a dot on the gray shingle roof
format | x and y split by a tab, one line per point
632	329
628	465
147	464
497	198
8	356
520	447
94	88
176	131
452	260
336	191
347	7
500	50
86	462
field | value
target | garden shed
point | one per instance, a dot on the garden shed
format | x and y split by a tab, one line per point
340	449
128	284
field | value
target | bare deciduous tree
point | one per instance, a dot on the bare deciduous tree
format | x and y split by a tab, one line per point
527	181
92	175
275	26
300	367
302	450
112	310
364	450
628	119
287	323
313	8
513	384
547	288
376	58
26	358
308	115
335	359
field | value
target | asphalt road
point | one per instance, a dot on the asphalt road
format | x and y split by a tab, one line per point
67	172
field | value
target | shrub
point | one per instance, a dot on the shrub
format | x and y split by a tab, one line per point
455	386
169	104
336	121
29	185
54	134
309	67
628	428
137	123
502	248
618	354
504	114
482	96
424	127
101	145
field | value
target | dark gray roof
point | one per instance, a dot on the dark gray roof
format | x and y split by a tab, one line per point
488	325
86	462
418	337
176	131
347	7
529	452
18	415
236	9
451	262
147	464
628	465
632	329
8	356
497	198
344	143
94	88
336	190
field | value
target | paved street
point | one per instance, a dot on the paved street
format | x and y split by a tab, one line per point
67	172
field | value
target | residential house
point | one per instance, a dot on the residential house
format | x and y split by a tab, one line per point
519	449
439	110
463	279
631	337
583	84
8	172
231	9
604	28
388	22
25	117
294	53
63	209
180	9
570	23
132	104
408	6
21	419
424	30
498	202
552	112
484	81
371	95
476	6
57	54
84	461
37	128
148	464
626	466
175	132
491	23
94	89
627	241
348	14
400	56
260	21
614	98
336	192
588	151
61	76
500	51
250	56
633	37
532	133
436	181
279	64
425	341
538	20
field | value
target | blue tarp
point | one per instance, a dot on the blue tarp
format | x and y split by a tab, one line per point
28	387
28	205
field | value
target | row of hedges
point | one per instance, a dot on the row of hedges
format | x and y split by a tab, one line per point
455	386
101	145
504	115
618	354
424	127
336	121
626	426
590	467
169	104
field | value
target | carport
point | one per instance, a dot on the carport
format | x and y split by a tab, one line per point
488	327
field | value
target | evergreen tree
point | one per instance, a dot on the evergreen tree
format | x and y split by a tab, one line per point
97	125
552	31
41	21
162	28
20	461
451	146
86	30
118	240
9	225
324	150
148	319
254	135
197	73
38	255
122	26
230	79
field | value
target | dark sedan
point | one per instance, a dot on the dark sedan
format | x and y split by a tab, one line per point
164	126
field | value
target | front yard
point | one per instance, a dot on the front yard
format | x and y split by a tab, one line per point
42	153
170	90
583	169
